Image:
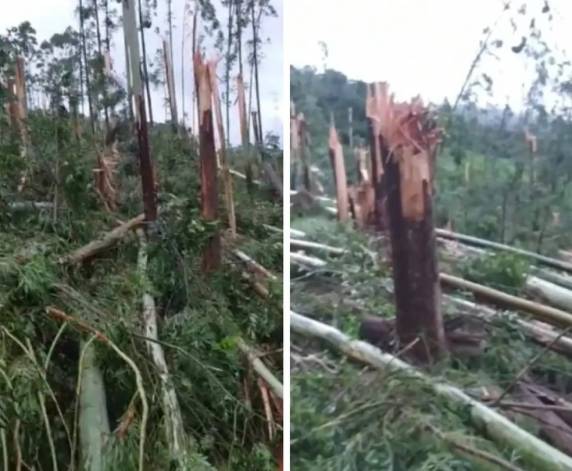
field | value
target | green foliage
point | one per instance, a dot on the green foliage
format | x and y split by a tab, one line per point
503	271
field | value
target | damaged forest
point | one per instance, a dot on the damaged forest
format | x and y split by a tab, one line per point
140	246
431	265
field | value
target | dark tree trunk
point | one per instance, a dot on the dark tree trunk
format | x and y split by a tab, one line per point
145	69
415	271
209	188
239	35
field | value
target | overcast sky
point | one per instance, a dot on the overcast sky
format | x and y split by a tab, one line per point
420	46
53	16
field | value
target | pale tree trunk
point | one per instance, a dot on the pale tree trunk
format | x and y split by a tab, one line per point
93	420
86	65
255	62
145	68
227	74
101	58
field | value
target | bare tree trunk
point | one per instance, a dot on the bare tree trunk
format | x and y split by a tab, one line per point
86	65
145	68
170	80
102	73
339	171
228	67
302	130
380	213
134	71
255	62
243	120
227	180
407	174
209	190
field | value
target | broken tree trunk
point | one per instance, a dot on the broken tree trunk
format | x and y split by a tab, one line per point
108	240
175	432
411	134
339	171
494	425
134	75
549	293
93	420
209	190
374	94
227	180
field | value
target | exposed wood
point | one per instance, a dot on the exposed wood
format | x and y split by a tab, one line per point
244	132
547	314
497	427
227	180
93	420
253	265
410	131
306	260
105	242
551	262
549	293
176	438
261	369
339	171
563	280
209	189
304	244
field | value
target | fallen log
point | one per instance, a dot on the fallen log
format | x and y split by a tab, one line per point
174	428
551	262
105	242
253	358
253	265
30	205
549	293
93	420
497	427
544	313
304	244
554	277
306	260
542	333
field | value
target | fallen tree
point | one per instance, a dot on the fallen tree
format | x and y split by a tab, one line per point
549	292
175	432
107	241
497	427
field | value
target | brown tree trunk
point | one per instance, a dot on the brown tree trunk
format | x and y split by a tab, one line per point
407	177
244	131
209	190
304	153
170	79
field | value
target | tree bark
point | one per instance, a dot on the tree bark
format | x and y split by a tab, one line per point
209	188
101	58
255	62
407	178
227	180
339	171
